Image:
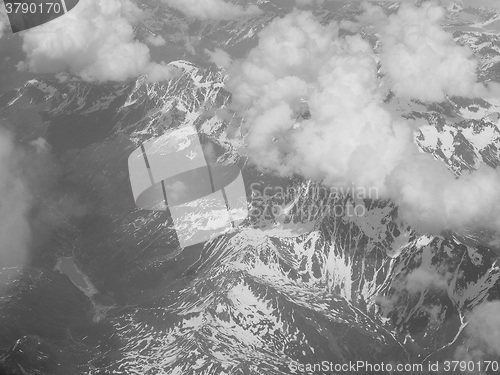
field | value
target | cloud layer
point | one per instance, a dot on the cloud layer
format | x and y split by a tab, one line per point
95	41
346	135
421	59
32	202
483	330
212	9
15	203
349	138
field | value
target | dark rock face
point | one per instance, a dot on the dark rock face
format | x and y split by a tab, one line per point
39	311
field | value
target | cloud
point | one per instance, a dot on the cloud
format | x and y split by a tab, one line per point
421	59
177	191
219	57
95	41
349	136
422	278
431	198
32	204
212	9
157	40
54	205
484	324
483	330
15	203
313	106
41	145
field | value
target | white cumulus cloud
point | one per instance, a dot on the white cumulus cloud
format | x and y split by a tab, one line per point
313	106
430	197
421	59
350	137
95	41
